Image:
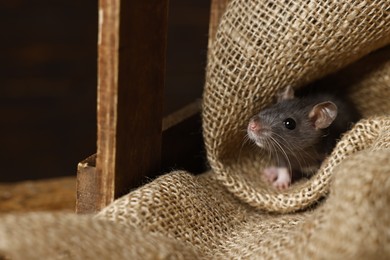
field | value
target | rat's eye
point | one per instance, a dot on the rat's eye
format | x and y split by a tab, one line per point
289	123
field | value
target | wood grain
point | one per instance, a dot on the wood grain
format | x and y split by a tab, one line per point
56	194
141	81
87	183
132	43
108	67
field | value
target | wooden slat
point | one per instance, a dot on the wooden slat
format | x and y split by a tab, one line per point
87	183
54	194
132	43
108	70
130	91
142	50
181	114
181	137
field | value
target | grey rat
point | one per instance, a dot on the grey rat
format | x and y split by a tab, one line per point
299	132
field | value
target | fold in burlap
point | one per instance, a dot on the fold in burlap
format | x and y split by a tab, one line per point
181	216
340	213
263	46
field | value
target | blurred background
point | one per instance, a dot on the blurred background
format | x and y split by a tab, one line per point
48	80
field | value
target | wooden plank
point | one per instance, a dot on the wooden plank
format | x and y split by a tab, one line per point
142	61
130	91
108	67
182	146
181	114
54	194
87	181
132	44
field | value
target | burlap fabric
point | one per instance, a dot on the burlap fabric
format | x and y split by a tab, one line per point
262	47
342	212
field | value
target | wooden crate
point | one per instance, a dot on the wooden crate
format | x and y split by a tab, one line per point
131	73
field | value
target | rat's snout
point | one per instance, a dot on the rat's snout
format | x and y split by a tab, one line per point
254	124
256	131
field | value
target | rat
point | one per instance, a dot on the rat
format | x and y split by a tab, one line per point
299	132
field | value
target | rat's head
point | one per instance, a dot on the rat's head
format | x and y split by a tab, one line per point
291	123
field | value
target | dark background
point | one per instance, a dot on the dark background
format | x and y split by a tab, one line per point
48	58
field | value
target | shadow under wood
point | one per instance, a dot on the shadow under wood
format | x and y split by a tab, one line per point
183	147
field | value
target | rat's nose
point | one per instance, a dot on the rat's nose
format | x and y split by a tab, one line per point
254	125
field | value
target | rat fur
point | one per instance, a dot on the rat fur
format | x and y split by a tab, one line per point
299	132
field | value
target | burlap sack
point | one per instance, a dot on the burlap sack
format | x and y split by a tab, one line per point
263	46
340	213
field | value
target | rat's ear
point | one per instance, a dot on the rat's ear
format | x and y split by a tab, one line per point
323	114
286	94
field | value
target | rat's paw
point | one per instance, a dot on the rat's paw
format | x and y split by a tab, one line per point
270	174
278	176
281	184
283	180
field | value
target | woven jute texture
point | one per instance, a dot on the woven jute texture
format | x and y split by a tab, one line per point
342	212
263	46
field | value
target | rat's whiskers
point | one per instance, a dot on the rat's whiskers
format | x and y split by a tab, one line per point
284	153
